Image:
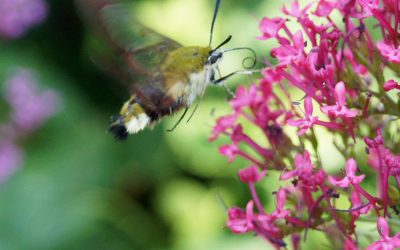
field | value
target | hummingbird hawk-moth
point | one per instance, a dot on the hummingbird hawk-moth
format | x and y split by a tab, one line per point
164	77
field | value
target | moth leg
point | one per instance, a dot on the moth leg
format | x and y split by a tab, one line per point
179	121
194	110
222	79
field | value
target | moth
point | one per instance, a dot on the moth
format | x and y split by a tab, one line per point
163	76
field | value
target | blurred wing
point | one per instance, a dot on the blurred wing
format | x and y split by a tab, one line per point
128	32
120	45
140	50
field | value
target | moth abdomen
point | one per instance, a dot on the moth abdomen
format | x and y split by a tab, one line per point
132	119
143	110
119	131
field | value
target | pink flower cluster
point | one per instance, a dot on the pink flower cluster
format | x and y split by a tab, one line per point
18	16
345	79
29	109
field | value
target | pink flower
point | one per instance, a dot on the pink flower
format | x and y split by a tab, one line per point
10	159
239	221
358	68
340	110
350	178
295	10
287	54
303	167
271	76
347	6
280	211
251	174
389	52
31	107
393	162
308	121
314	30
357	205
319	60
223	123
18	16
239	136
350	244
375	142
246	98
325	7
270	27
369	6
296	240
391	84
230	150
265	116
386	242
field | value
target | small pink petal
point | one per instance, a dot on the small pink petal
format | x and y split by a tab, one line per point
250	210
303	130
391	84
308	106
298	40
280	198
324	8
230	151
357	179
340	94
351	113
296	123
344	183
351	167
383	227
288	175
294	9
223	123
251	174
270	27
388	51
329	110
350	245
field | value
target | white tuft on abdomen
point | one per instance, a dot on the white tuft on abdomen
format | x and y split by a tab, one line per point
135	124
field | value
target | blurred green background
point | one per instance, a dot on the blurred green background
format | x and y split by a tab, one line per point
80	189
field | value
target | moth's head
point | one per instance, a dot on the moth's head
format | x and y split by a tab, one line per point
215	55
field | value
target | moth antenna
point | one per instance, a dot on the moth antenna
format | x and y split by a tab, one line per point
194	110
218	2
223	43
179	121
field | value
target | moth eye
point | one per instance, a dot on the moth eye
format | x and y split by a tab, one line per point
213	59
